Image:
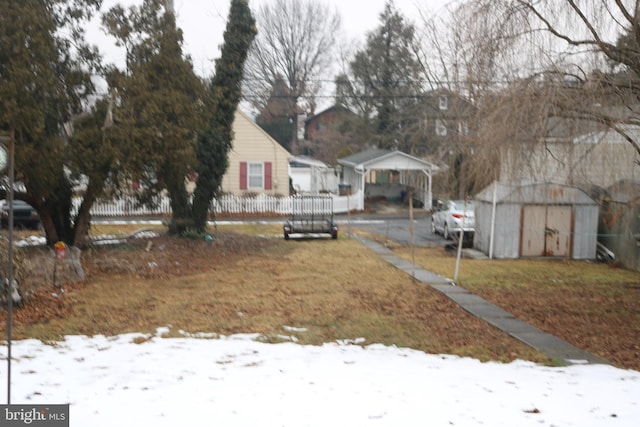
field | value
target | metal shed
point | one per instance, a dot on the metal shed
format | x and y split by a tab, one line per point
359	170
536	220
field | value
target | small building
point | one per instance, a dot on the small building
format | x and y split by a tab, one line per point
258	164
620	223
377	172
312	176
325	121
537	219
325	134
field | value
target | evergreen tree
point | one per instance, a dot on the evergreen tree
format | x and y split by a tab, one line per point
385	82
225	89
45	68
161	105
275	117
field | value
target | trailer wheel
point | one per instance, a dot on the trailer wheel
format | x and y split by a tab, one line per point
286	236
334	235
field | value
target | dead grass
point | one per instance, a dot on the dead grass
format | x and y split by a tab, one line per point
331	290
241	283
593	306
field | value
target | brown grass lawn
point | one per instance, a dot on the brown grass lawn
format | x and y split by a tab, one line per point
593	306
242	282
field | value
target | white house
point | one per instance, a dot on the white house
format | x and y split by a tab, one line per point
312	176
600	159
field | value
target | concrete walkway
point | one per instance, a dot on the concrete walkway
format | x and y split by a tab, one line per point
548	344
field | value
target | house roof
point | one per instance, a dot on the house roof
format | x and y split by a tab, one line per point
333	108
611	136
534	193
363	156
385	159
306	161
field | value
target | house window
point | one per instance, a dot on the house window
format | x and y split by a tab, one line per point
255	176
441	129
444	102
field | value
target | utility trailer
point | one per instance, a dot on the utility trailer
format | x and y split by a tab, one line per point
311	215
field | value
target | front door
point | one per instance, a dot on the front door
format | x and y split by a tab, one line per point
546	231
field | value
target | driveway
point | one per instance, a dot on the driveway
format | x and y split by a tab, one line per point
391	220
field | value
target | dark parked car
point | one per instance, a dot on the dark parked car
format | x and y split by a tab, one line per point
24	215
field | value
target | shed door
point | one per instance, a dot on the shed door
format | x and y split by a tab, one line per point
546	231
558	231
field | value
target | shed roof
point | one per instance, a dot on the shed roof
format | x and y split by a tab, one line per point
534	193
385	159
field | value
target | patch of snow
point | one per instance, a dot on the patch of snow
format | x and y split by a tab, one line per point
293	329
105	239
146	235
288	338
357	341
107	242
200	335
31	241
238	381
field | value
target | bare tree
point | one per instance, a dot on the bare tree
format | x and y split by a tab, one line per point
296	44
541	72
471	52
595	45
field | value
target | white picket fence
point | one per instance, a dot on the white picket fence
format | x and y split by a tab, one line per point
226	204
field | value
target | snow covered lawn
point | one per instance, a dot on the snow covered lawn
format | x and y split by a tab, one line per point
239	381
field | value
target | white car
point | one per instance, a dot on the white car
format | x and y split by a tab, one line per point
452	216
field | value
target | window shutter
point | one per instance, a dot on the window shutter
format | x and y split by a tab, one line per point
267	176
243	175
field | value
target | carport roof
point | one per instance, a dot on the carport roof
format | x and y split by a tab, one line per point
533	193
385	159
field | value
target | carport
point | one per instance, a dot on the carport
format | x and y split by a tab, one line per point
367	167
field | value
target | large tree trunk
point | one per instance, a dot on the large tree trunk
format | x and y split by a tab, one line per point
54	208
181	221
83	220
213	165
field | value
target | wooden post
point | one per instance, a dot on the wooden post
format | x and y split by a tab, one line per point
413	255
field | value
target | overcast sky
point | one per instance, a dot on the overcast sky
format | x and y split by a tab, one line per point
203	23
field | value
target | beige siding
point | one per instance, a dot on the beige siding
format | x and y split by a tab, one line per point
252	144
601	164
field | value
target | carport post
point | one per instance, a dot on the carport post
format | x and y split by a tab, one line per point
362	172
428	197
